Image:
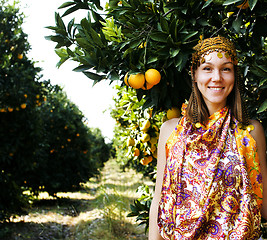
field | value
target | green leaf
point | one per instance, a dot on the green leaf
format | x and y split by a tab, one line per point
94	76
252	3
263	107
263	82
159	36
237	24
96	38
82	68
174	5
62	53
60	22
164	24
152	59
229	2
70	25
66	4
135	43
174	52
186	36
207	4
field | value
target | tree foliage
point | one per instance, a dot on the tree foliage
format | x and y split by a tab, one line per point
133	36
46	144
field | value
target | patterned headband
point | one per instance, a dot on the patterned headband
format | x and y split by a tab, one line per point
218	44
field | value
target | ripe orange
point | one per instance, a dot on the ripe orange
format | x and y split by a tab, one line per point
145	126
173	113
126	79
244	5
136	81
145	137
23	105
147	86
130	142
152	76
20	56
146	160
136	152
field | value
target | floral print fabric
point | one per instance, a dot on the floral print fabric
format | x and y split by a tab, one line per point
211	182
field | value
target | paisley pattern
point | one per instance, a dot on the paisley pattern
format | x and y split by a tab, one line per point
212	183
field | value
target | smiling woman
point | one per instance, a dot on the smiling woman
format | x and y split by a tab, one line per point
211	172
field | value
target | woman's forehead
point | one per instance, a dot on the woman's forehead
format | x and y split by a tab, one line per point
222	57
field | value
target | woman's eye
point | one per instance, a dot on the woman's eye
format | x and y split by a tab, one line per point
227	69
207	68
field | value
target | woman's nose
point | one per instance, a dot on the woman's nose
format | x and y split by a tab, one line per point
216	75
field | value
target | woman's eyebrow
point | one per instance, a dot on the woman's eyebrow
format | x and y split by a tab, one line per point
210	63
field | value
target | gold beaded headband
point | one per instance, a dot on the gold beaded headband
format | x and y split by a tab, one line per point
218	44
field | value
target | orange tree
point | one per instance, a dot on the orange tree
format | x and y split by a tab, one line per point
45	143
134	36
20	130
68	148
130	37
136	132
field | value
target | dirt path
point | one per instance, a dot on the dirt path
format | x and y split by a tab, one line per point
98	211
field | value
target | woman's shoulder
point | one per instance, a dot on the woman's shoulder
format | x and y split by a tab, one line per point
258	132
170	124
167	127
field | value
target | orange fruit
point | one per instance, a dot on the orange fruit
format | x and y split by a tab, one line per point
20	56
130	142
146	160
136	152
136	81
145	137
147	86
152	76
23	105
126	79
173	113
145	126
244	5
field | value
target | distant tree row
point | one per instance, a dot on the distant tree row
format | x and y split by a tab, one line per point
46	144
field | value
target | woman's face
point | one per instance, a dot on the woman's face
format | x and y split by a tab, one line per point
215	79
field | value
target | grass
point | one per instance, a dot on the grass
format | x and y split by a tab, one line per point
98	211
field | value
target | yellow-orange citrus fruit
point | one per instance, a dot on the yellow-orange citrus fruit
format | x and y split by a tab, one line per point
136	81
244	5
10	109
130	142
153	148
136	152
173	113
23	105
145	137
146	160
153	140
126	79
20	56
147	86
145	126
152	76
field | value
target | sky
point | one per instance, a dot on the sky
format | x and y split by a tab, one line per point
93	101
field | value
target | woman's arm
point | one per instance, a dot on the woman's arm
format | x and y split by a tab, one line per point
165	131
258	135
